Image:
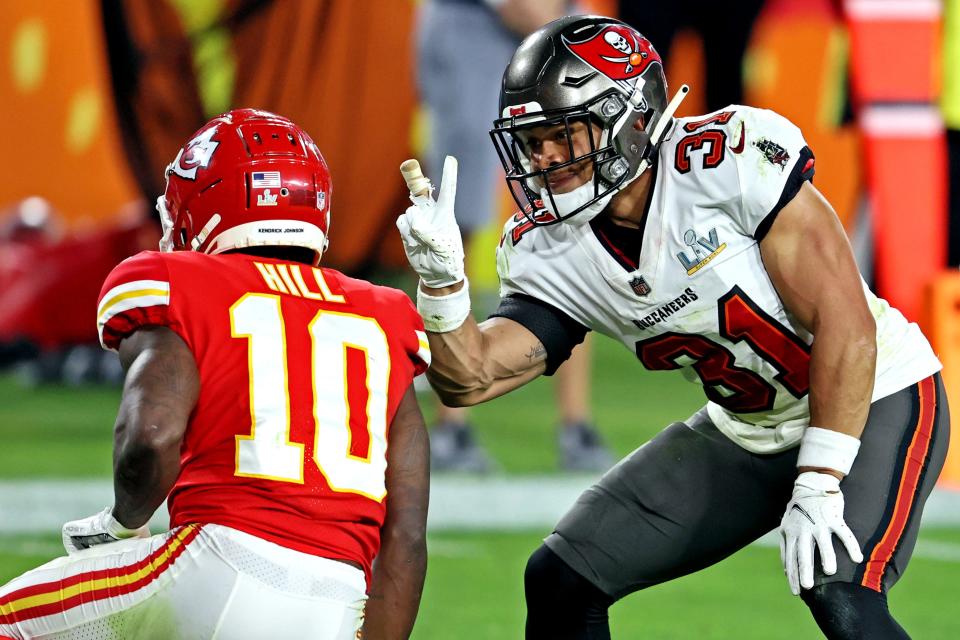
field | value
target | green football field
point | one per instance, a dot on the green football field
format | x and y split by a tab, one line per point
474	583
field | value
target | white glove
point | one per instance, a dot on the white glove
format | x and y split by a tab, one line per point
166	224
98	529
814	514
431	237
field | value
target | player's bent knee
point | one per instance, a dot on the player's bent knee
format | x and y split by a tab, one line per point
560	602
846	611
542	565
550	581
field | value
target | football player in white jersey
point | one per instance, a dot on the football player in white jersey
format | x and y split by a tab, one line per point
701	244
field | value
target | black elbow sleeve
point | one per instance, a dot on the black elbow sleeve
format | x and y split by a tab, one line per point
558	332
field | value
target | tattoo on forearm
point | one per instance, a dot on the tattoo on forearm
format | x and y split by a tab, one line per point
537	352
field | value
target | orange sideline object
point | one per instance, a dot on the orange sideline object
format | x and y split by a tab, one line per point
894	55
56	113
908	189
796	69
943	302
896	60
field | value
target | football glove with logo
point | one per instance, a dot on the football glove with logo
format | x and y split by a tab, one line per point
100	528
431	237
814	514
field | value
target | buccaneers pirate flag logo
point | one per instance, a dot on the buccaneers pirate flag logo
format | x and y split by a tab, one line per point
617	51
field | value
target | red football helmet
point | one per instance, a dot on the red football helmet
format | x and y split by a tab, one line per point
246	178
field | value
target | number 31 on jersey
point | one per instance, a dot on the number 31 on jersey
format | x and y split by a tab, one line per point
733	387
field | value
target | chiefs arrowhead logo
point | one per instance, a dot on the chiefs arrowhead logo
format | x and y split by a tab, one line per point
195	155
617	51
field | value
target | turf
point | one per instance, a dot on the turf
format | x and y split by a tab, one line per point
474	591
65	431
56	430
474	585
630	405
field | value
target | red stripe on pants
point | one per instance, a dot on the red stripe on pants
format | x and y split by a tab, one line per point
178	541
909	479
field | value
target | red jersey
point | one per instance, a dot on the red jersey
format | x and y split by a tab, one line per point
301	373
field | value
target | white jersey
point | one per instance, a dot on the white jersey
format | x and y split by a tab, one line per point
699	297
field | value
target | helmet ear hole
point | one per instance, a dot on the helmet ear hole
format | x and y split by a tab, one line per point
640	124
648	116
183	236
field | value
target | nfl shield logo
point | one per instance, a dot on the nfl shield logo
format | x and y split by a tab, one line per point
640	286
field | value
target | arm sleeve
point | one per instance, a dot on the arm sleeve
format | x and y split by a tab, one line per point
802	171
134	295
558	332
774	164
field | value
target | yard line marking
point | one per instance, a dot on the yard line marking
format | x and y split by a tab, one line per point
937	550
927	549
503	503
440	547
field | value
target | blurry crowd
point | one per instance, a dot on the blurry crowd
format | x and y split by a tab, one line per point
50	278
304	62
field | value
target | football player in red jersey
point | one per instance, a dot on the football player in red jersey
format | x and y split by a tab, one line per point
269	401
700	244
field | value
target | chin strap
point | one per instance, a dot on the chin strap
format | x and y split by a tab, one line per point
207	228
661	129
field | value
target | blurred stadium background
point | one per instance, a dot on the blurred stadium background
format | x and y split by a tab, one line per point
96	96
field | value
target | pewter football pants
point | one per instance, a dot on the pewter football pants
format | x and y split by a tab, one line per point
691	497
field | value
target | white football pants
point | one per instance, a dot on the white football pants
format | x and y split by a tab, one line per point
196	581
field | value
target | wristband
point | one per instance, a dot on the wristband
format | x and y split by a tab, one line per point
444	313
827	449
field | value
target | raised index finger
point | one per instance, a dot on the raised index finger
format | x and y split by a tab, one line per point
448	187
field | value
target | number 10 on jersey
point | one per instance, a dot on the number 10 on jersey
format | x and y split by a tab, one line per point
268	452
